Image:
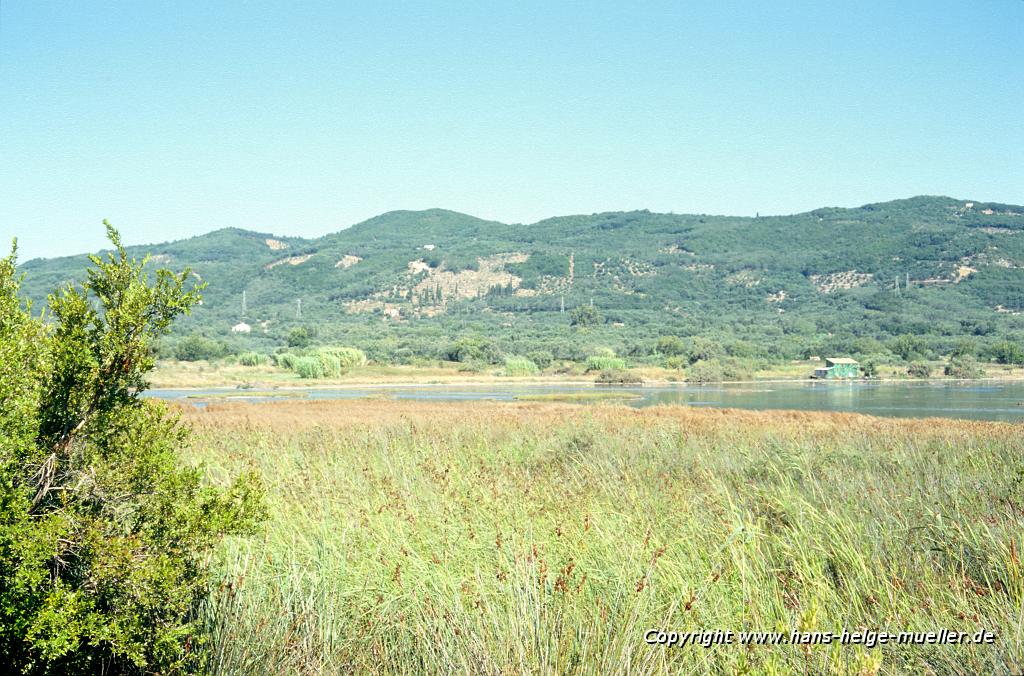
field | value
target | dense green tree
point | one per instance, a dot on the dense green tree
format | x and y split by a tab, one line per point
584	316
1008	352
670	346
104	533
197	348
703	349
965	347
299	337
910	348
474	349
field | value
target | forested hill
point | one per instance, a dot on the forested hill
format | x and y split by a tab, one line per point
928	266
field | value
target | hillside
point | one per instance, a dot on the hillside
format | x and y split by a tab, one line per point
409	282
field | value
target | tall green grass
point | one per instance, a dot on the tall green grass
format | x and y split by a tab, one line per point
325	362
253	359
515	543
520	366
605	363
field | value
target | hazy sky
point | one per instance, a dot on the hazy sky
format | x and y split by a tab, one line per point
298	117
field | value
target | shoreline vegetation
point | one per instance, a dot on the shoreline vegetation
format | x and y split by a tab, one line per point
174	375
509	536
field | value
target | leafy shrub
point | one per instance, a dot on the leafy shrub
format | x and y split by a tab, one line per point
705	371
919	369
106	533
605	364
1007	352
286	360
474	348
585	315
670	346
542	358
737	369
618	377
348	357
300	337
677	362
910	348
253	359
963	367
703	349
965	347
309	367
196	348
520	366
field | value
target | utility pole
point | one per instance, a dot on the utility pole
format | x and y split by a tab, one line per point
563	305
298	308
243	304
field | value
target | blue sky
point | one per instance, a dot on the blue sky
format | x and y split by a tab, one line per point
177	118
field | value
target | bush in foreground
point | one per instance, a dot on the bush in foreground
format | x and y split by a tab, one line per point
104	534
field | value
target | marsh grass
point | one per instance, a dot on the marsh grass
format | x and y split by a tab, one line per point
508	538
572	397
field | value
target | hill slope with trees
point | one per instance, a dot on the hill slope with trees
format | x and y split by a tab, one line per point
932	272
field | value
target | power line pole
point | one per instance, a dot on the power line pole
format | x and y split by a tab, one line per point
243	304
298	308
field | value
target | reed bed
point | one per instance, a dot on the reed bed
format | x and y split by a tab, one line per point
536	538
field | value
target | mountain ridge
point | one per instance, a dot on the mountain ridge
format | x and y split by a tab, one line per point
879	270
434	211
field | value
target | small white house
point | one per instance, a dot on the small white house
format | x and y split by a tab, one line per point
241	327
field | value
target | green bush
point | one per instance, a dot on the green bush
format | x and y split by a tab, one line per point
105	533
309	367
286	360
474	348
963	367
618	377
670	346
585	315
1007	352
520	366
542	358
705	371
703	349
676	362
300	337
605	364
253	359
910	348
197	348
737	369
348	357
919	369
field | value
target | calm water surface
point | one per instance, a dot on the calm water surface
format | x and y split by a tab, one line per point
979	400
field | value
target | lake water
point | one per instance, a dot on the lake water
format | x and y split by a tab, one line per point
979	400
